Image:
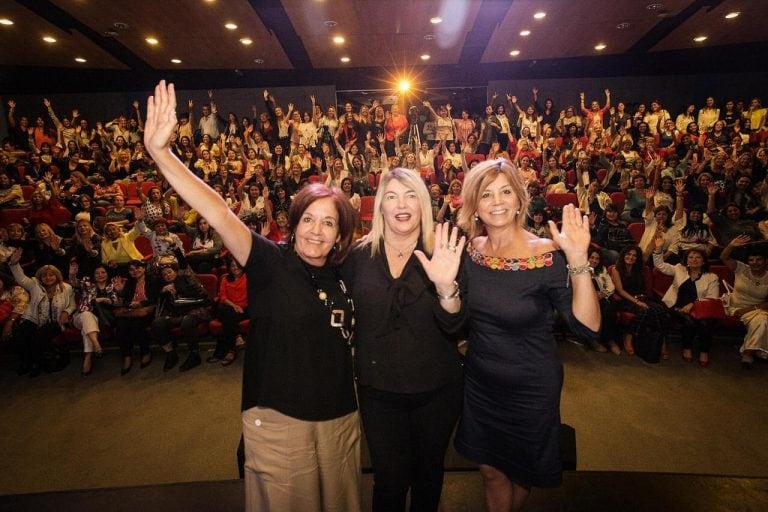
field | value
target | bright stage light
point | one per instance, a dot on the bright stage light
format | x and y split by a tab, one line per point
404	85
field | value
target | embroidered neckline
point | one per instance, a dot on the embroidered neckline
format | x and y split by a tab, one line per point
514	264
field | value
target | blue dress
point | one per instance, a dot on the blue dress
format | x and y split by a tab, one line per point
511	416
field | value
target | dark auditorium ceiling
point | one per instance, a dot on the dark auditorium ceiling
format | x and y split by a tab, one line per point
295	37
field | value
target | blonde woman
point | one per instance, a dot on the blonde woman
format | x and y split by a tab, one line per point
408	368
510	423
51	305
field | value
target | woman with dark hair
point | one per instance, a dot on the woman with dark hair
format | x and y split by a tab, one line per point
694	234
749	299
280	199
96	296
691	281
182	302
612	234
603	283
354	198
206	248
302	442
153	205
232	309
137	297
651	319
537	224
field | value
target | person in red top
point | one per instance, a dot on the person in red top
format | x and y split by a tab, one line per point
394	127
276	229
233	308
594	117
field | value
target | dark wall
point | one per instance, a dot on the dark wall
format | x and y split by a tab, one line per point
674	91
108	105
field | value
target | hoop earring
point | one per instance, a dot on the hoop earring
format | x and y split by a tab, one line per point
293	238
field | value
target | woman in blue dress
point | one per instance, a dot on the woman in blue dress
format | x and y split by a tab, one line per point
511	419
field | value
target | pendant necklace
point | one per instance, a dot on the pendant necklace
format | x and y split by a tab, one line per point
338	314
401	252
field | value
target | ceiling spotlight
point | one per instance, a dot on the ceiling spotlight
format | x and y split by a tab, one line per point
80	60
345	59
246	40
339	40
436	20
728	16
525	33
330	23
404	85
5	21
514	53
655	7
429	37
152	40
623	25
119	25
49	39
540	15
176	61
600	46
700	39
230	26
258	61
425	57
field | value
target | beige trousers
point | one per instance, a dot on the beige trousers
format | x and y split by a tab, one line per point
757	330
301	466
86	322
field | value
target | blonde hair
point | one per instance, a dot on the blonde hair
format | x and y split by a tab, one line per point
91	231
476	181
45	269
410	179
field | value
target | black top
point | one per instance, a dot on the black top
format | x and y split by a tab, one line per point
296	362
400	347
686	293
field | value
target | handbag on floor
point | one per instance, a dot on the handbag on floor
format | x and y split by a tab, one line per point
648	346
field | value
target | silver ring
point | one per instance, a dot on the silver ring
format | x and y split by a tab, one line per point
452	248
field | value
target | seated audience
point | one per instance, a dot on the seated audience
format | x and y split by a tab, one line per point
749	300
691	281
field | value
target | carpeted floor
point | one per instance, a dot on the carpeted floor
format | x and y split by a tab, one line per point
63	432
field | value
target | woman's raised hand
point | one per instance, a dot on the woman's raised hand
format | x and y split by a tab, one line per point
161	119
573	238
443	267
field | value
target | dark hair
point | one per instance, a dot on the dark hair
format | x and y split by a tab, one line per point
231	260
137	263
694	228
312	193
634	275
664	208
600	266
704	266
538	211
7	280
